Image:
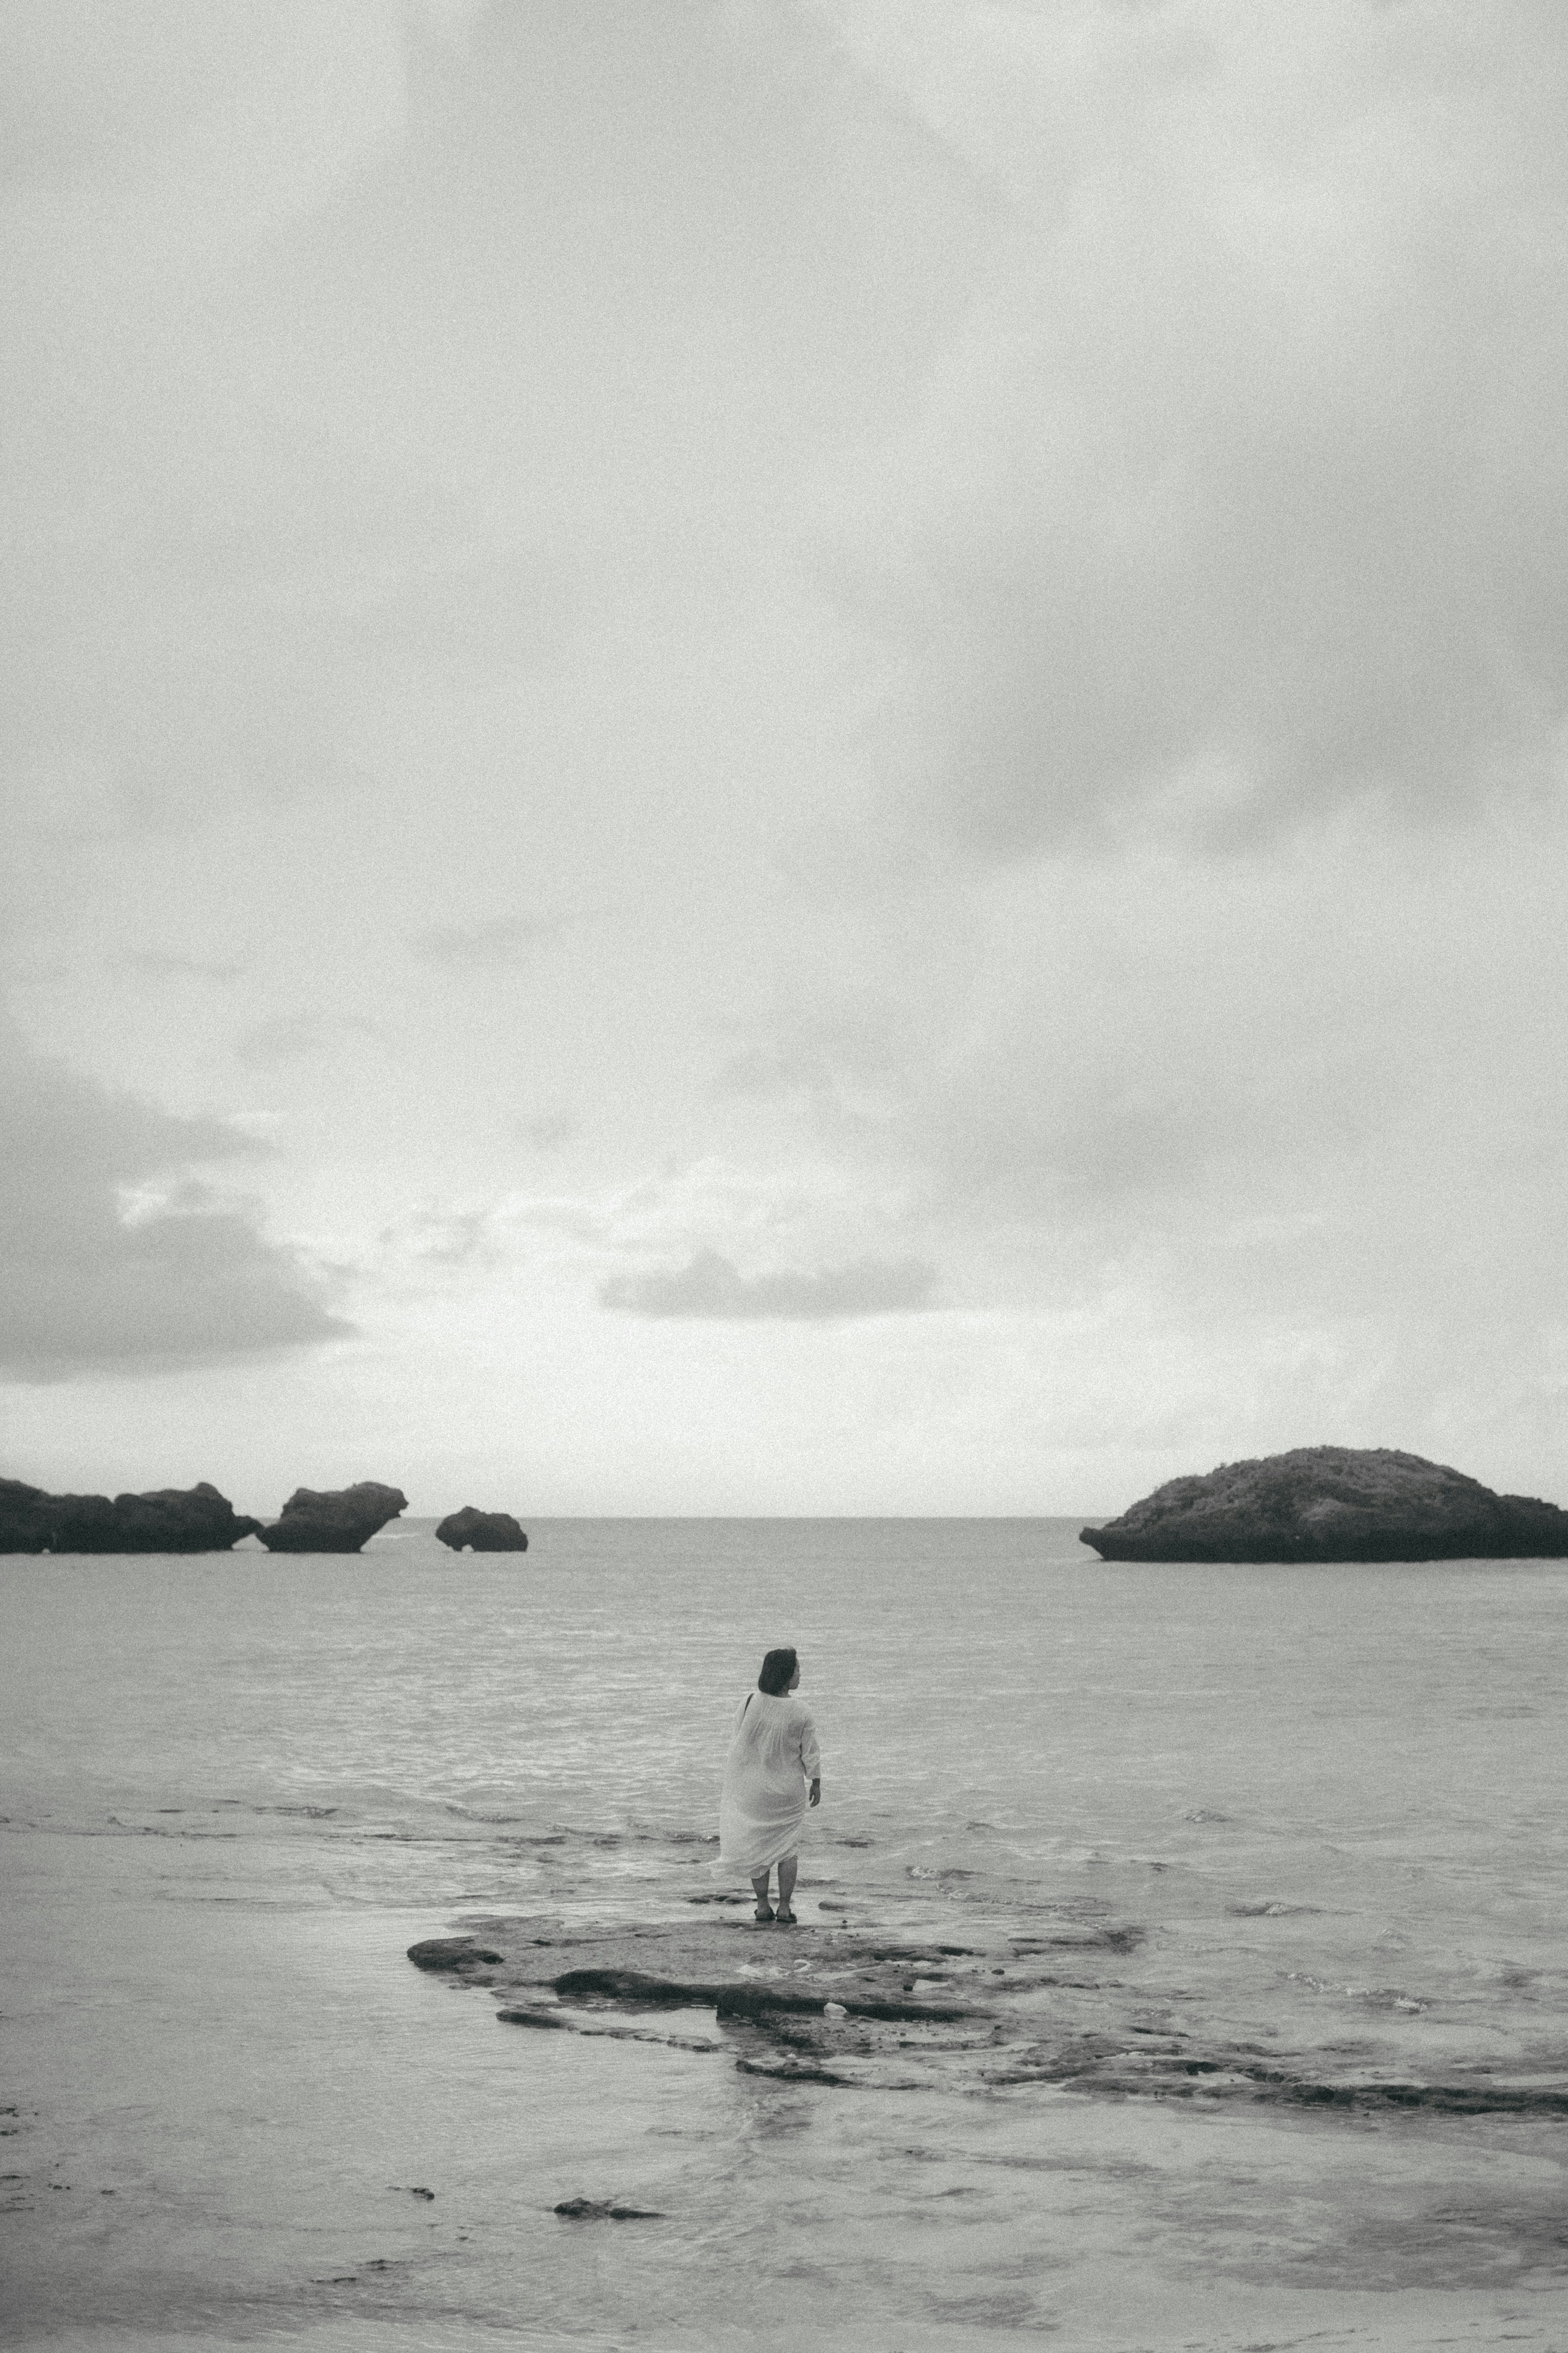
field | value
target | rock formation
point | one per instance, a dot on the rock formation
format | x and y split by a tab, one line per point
875	2008
169	1519
341	1519
598	2210
1333	1502
483	1531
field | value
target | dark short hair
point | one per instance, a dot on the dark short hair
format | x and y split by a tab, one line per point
777	1668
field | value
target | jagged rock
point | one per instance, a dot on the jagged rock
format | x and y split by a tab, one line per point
484	1531
169	1519
1333	1502
598	2210
451	1953
340	1519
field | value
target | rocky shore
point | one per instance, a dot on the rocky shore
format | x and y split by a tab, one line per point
818	2005
854	2008
1333	1504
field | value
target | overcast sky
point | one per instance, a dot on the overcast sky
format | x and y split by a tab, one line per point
781	756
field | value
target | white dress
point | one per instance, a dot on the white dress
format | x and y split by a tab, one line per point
773	1755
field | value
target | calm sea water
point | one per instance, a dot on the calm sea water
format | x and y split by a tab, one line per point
1328	1805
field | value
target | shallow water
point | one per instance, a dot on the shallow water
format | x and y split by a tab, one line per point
1321	1814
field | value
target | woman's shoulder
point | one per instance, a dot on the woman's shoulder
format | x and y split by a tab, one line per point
785	1703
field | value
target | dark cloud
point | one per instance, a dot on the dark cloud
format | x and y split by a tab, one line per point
711	1286
86	1285
1241	500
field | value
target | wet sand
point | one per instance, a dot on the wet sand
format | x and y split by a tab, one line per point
228	2115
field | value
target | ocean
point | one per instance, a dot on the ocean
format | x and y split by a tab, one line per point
1271	1863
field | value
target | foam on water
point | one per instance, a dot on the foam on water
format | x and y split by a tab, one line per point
1319	1813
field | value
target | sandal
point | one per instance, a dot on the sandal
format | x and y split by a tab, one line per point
784	1919
763	1912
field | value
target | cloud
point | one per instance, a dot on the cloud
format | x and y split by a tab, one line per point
296	1037
865	524
772	1070
159	96
159	964
492	940
102	1270
711	1286
85	92
1239	496
1297	1109
548	1130
453	19
850	1058
445	1238
284	1037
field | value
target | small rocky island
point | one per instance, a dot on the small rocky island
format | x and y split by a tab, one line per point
470	1530
197	1519
168	1519
338	1519
1332	1502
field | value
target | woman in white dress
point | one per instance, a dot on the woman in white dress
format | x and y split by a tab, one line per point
772	1759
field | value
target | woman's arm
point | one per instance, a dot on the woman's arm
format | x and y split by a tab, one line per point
811	1759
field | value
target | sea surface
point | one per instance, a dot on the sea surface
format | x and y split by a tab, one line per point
1312	1814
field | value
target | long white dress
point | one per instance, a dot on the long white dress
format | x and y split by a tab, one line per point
773	1755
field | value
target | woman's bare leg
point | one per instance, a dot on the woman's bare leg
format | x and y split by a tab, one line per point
760	1890
787	1869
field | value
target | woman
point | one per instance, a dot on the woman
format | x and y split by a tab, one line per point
773	1755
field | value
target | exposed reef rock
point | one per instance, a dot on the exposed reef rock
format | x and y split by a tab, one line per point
1094	2012
342	1519
169	1519
483	1531
453	1953
1333	1502
594	2209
